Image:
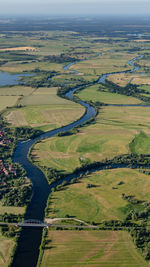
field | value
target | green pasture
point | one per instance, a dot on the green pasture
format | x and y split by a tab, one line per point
6	246
93	93
103	201
112	134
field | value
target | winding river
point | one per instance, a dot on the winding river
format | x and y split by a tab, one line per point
30	239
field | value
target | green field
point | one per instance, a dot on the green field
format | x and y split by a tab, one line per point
91	248
44	110
104	199
108	62
16	91
45	117
92	93
110	135
140	144
6	246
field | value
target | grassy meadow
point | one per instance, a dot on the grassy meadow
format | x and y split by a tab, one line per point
103	200
90	248
112	134
6	246
93	93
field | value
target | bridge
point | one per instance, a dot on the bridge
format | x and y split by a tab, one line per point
32	223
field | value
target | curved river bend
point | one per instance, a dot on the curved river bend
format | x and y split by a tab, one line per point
30	239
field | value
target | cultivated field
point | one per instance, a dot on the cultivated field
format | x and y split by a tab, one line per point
16	91
43	109
8	101
45	117
90	248
23	48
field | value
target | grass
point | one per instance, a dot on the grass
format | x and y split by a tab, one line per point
92	93
90	248
103	202
108	62
45	117
110	135
14	210
44	110
44	96
140	144
15	91
6	246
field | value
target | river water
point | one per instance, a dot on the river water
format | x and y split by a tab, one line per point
30	239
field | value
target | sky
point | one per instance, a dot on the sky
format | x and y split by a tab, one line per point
76	7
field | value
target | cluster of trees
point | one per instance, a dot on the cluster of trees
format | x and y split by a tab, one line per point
18	197
26	133
59	59
52	175
129	90
10	217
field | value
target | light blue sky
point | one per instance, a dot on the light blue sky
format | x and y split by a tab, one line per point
75	7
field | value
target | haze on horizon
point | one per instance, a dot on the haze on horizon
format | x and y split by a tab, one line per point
75	7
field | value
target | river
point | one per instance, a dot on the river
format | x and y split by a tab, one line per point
30	239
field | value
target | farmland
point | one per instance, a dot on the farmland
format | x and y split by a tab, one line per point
111	134
98	248
116	130
43	109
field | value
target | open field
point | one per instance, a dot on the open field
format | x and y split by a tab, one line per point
6	246
16	91
11	209
45	117
110	135
8	101
108	62
23	48
92	248
44	96
44	109
92	93
104	199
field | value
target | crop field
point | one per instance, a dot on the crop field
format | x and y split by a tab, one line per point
16	91
112	133
92	248
6	245
45	117
23	48
8	101
104	199
44	109
44	96
92	93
